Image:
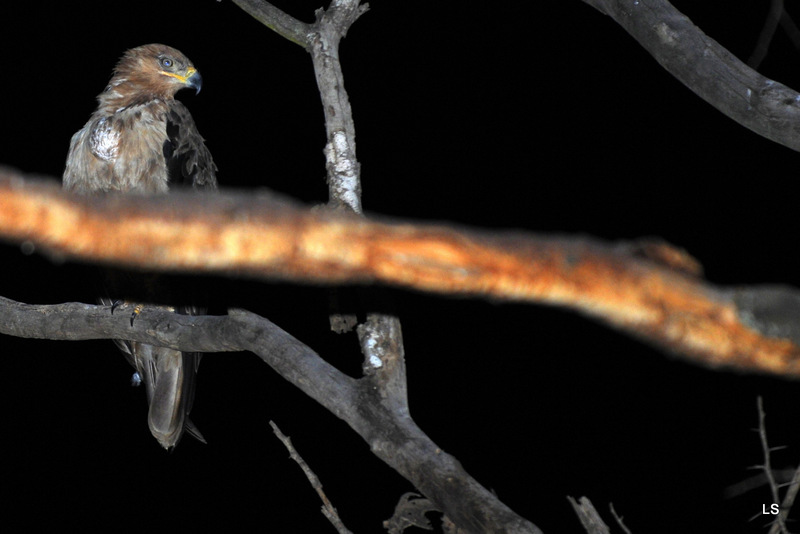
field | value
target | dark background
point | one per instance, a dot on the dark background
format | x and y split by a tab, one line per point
545	117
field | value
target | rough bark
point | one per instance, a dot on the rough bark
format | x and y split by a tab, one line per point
764	106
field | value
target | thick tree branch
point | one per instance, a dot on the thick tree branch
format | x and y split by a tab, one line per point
395	440
322	39
344	181
750	329
765	106
380	335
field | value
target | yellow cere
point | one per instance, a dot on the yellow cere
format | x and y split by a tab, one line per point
189	72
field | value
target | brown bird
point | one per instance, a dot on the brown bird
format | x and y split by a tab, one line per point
142	140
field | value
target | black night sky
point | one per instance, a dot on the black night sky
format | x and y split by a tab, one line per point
545	117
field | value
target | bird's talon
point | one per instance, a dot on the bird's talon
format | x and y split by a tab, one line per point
136	311
116	304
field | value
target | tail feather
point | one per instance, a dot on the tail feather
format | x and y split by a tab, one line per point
169	379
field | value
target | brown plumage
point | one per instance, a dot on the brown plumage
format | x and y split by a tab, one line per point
139	132
142	140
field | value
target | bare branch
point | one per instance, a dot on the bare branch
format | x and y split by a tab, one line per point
322	40
273	18
384	358
344	183
779	525
588	516
618	519
752	329
767	33
765	106
380	335
791	494
782	476
767	467
258	236
328	510
392	437
791	30
343	169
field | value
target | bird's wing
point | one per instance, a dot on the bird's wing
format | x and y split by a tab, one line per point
189	161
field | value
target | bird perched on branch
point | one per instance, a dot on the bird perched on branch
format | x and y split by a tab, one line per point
142	140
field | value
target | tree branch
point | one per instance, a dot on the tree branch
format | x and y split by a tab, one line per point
779	524
767	33
328	510
380	335
322	39
395	440
344	182
618	519
633	288
765	106
792	32
791	494
273	18
589	517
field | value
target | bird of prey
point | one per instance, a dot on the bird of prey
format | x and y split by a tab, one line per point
141	140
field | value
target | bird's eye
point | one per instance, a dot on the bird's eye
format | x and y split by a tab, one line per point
166	62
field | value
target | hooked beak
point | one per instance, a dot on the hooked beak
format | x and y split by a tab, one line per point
194	80
191	79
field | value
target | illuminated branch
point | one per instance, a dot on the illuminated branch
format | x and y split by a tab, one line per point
643	290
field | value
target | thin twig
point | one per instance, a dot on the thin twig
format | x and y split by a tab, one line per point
780	524
273	18
328	510
762	434
791	30
618	519
766	35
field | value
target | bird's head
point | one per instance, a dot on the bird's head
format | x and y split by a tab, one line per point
153	71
